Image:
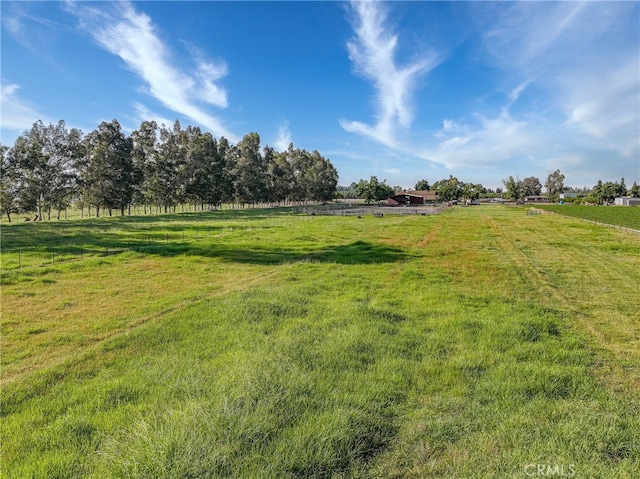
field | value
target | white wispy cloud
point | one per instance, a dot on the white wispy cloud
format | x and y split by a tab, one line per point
13	26
577	58
131	35
145	114
567	94
17	114
607	107
485	141
36	34
581	58
372	52
284	137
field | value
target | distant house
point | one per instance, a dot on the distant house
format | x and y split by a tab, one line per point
536	199
627	201
411	198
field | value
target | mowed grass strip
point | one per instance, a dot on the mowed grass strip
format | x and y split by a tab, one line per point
375	347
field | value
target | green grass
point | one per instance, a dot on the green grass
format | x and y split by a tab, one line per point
466	345
628	216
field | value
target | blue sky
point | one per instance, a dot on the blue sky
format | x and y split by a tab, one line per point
400	90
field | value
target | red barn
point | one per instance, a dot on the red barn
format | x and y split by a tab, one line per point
410	198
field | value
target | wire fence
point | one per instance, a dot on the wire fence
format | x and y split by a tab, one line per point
356	209
490	211
175	241
109	243
183	240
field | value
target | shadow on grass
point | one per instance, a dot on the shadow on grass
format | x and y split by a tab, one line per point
358	252
20	234
175	234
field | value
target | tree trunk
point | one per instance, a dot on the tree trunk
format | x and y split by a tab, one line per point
97	212
9	216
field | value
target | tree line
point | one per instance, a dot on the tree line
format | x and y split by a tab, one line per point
448	189
52	168
601	193
452	189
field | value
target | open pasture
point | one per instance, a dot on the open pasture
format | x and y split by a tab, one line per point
279	345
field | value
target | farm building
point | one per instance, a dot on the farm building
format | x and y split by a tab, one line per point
409	198
627	201
536	199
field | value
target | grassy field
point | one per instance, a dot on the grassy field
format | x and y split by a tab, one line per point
482	343
628	217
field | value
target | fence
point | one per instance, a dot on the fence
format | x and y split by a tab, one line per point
360	209
176	241
180	241
498	210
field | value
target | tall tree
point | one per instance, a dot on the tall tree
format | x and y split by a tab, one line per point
67	182
422	185
204	168
46	157
228	155
596	193
531	186
167	184
514	188
9	182
145	161
609	190
250	172
623	187
473	190
448	189
300	163
323	178
554	184
110	173
280	175
373	190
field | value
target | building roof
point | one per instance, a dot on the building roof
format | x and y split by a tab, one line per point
427	195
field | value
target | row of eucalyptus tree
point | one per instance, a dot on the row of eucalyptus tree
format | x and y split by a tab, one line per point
52	167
